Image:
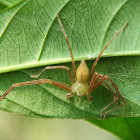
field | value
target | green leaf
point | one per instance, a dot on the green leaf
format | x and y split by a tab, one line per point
125	128
31	37
5	4
2	7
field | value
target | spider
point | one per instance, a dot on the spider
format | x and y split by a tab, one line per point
84	82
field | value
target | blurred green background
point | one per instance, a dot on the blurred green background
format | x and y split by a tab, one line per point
17	127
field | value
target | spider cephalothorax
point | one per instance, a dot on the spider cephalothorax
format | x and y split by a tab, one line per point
84	82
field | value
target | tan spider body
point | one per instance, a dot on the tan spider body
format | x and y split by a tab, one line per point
81	86
84	82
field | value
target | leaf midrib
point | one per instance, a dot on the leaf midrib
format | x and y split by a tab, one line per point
64	60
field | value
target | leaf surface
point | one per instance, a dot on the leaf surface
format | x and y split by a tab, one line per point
31	37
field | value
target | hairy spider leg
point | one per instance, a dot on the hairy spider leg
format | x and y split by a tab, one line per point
55	67
95	83
66	37
97	59
98	80
40	81
115	98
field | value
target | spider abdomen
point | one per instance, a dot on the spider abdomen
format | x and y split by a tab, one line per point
82	72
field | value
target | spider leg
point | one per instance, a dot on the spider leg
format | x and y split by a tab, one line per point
55	67
66	37
95	82
111	109
116	98
40	81
99	79
97	59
